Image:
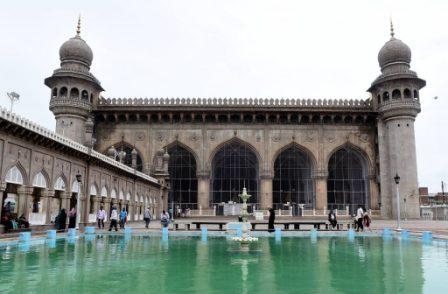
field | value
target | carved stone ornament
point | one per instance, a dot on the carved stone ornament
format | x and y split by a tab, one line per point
212	136
331	139
140	136
309	137
194	137
276	138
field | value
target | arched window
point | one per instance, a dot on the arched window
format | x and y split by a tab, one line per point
54	93
407	93
39	181
124	147
379	99
292	181
84	95
75	187
63	92
14	176
386	96
104	191
234	166
59	185
113	194
93	191
347	180
396	94
183	180
74	93
416	94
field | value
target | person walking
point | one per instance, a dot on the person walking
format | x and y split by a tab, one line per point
101	216
147	217
165	219
123	217
359	218
271	220
332	219
72	218
113	219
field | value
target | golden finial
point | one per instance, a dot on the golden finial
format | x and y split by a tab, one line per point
78	28
392	33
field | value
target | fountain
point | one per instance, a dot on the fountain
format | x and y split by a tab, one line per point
245	238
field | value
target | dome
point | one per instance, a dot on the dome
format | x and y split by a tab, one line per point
394	51
76	49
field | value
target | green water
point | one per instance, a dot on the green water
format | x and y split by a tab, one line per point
114	264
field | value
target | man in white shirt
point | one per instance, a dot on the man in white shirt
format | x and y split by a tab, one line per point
101	216
113	219
359	216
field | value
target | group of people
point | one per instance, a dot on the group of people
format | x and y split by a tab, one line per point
60	220
119	218
361	219
10	219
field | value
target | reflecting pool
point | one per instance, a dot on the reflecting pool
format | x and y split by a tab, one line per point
118	264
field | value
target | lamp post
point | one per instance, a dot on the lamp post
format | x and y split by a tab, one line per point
397	182
78	200
13	97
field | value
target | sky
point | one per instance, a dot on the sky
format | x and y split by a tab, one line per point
232	48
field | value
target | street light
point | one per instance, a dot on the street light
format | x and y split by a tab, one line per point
397	182
78	200
13	97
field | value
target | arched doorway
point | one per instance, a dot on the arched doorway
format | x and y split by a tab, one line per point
10	199
183	180
347	180
293	184
234	166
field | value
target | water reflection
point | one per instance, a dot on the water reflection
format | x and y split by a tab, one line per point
151	264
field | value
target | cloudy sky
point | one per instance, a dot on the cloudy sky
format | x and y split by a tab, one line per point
241	48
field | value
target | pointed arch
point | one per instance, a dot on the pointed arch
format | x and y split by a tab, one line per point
359	150
293	182
16	175
233	140
113	194
93	190
104	191
348	180
235	164
184	146
128	196
60	184
121	195
182	168
302	148
75	187
41	180
127	148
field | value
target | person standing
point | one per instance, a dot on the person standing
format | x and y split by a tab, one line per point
113	219
165	219
72	218
61	220
359	218
332	219
271	220
367	221
101	217
123	216
147	217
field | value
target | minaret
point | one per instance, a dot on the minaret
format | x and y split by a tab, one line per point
74	90
395	95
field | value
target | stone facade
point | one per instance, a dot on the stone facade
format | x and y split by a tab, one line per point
317	154
39	169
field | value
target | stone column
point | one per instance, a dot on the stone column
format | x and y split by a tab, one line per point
373	192
204	190
25	198
107	202
320	180
266	191
2	191
45	200
65	201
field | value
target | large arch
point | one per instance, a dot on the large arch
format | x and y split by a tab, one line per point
127	148
348	181
293	182
234	165
182	168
